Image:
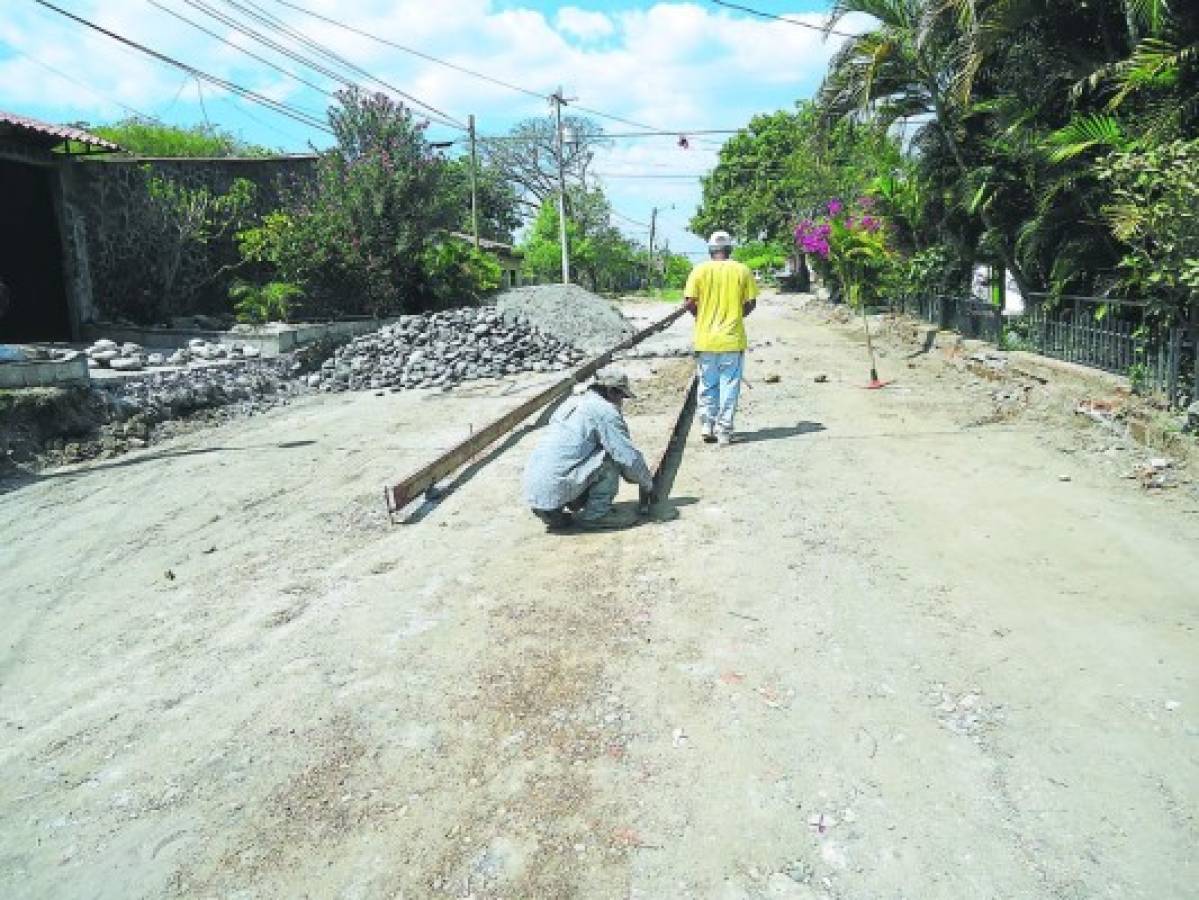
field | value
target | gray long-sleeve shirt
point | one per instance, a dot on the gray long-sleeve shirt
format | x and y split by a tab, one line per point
581	433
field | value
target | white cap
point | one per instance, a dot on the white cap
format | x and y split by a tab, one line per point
719	240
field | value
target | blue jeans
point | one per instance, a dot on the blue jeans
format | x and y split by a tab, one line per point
719	388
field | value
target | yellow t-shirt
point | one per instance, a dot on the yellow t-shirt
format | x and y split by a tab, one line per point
720	288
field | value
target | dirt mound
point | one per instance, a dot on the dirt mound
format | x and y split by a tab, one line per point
568	312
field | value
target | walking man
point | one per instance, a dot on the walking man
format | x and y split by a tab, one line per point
720	293
573	475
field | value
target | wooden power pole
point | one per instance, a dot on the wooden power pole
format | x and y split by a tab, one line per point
649	262
474	180
559	102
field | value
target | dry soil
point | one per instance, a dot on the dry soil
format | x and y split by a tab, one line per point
879	648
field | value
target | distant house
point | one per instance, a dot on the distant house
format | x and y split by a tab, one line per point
506	255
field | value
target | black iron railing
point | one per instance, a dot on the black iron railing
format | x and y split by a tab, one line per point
1099	332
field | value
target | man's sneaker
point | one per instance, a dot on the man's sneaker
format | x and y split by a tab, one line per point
724	438
709	433
613	520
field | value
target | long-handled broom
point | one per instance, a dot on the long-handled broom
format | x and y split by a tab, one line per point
874	384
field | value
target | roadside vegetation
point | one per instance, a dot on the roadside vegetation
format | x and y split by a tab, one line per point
1056	140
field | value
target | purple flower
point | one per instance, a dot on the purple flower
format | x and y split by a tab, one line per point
870	223
835	207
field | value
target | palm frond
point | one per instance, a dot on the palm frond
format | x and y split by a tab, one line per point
1084	134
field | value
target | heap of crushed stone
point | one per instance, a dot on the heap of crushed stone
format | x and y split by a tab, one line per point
570	313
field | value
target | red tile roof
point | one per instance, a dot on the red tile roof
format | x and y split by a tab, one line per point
47	135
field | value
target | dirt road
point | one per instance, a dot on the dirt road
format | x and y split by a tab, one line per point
874	650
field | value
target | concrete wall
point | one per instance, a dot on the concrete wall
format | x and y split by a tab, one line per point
44	373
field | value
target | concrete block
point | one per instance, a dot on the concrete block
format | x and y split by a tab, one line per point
44	373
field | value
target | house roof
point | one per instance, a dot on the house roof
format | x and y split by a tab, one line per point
490	246
45	135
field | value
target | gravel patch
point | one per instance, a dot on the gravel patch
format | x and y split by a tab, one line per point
443	349
568	312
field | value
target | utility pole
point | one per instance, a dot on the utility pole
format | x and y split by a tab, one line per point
474	180
649	264
559	102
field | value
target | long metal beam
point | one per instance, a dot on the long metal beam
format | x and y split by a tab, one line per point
416	484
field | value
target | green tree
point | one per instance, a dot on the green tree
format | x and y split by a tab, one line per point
784	165
355	237
527	157
500	210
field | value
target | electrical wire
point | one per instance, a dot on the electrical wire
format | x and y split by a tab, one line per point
257	13
83	84
480	75
765	15
275	105
419	53
239	48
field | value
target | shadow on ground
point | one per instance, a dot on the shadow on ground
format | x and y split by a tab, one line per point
135	458
778	432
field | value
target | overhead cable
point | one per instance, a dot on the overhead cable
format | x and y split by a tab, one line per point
529	92
79	83
275	105
798	22
241	49
253	11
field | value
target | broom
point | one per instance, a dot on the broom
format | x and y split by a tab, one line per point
874	384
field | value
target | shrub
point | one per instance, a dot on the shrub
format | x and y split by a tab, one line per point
257	304
458	273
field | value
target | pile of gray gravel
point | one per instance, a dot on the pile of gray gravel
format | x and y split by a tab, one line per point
442	349
568	312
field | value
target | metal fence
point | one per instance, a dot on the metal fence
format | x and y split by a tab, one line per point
1102	333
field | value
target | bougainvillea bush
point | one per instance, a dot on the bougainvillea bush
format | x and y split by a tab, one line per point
850	245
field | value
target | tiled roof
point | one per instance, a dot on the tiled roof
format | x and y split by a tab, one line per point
47	135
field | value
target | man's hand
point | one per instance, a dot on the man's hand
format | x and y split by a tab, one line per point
748	307
691	305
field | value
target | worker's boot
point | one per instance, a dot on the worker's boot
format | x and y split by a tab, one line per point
554	519
708	432
612	520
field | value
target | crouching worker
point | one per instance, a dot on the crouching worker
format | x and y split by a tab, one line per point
574	473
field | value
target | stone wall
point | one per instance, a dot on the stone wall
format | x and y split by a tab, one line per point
115	241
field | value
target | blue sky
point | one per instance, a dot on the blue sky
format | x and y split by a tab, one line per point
678	66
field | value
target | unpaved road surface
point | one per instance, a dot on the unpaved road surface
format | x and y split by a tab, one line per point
878	649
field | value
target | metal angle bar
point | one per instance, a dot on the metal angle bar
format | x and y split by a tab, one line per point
416	484
677	436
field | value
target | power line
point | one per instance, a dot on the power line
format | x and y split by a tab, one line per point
603	136
276	105
238	47
83	84
473	73
621	215
426	56
257	13
799	22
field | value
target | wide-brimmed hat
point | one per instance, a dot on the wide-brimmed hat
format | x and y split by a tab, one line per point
615	381
720	240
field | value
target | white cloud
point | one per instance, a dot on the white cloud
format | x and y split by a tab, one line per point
584	25
671	65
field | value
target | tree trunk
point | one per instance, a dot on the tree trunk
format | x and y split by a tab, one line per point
1009	261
